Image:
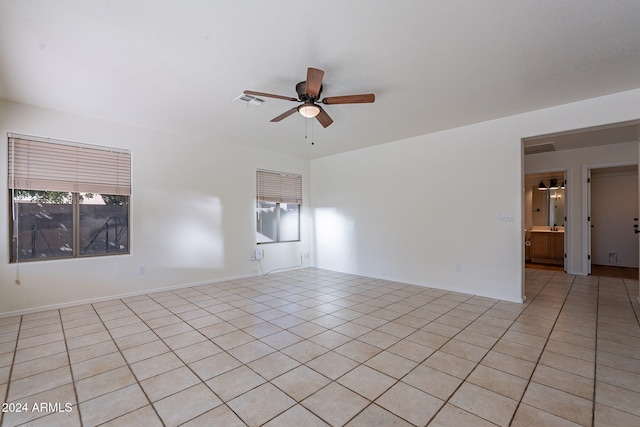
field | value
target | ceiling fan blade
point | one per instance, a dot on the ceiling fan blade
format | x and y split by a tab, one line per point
324	118
285	114
314	81
350	99
270	95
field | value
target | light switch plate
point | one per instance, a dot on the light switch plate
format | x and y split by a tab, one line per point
506	216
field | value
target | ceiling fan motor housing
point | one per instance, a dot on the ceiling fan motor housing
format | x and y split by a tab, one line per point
301	90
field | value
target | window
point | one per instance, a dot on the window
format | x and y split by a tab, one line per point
67	200
279	196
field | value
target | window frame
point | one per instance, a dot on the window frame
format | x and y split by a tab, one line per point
278	210
278	188
71	169
76	251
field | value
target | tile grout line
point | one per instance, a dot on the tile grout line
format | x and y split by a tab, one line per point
480	362
172	351
559	311
207	339
13	361
483	357
459	303
631	301
73	381
128	366
573	300
442	314
320	355
399	380
330	350
331	381
223	350
628	295
442	345
545	345
10	381
169	311
225	403
595	354
308	339
447	401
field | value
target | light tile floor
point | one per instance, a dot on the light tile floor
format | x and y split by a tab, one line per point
312	347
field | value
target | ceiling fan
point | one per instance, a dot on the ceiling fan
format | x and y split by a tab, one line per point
309	94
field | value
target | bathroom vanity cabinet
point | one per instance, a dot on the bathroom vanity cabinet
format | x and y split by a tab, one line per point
547	247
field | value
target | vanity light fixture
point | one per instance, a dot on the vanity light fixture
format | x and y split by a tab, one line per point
562	185
553	184
541	186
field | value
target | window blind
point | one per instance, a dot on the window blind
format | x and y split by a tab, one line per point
48	165
279	187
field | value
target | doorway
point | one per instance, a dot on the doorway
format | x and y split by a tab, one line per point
546	207
613	225
577	152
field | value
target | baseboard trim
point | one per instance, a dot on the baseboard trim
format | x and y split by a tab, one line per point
120	296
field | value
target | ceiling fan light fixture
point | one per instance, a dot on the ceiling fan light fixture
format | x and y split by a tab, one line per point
309	110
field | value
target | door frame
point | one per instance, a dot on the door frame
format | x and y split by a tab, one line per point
586	204
567	209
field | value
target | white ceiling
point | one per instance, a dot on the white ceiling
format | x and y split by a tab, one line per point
433	65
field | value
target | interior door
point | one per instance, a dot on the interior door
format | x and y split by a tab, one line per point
614	213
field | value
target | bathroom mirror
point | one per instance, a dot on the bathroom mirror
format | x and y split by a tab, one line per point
548	207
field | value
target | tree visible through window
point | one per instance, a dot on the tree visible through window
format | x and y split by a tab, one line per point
45	222
279	197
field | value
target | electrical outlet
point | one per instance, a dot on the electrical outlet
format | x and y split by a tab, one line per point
458	268
141	269
258	254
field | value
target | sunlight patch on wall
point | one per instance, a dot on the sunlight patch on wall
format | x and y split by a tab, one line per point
335	240
196	237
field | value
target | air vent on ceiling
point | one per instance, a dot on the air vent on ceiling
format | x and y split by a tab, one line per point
539	148
249	100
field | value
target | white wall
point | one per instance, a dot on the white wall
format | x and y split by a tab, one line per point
413	209
576	162
192	214
408	210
